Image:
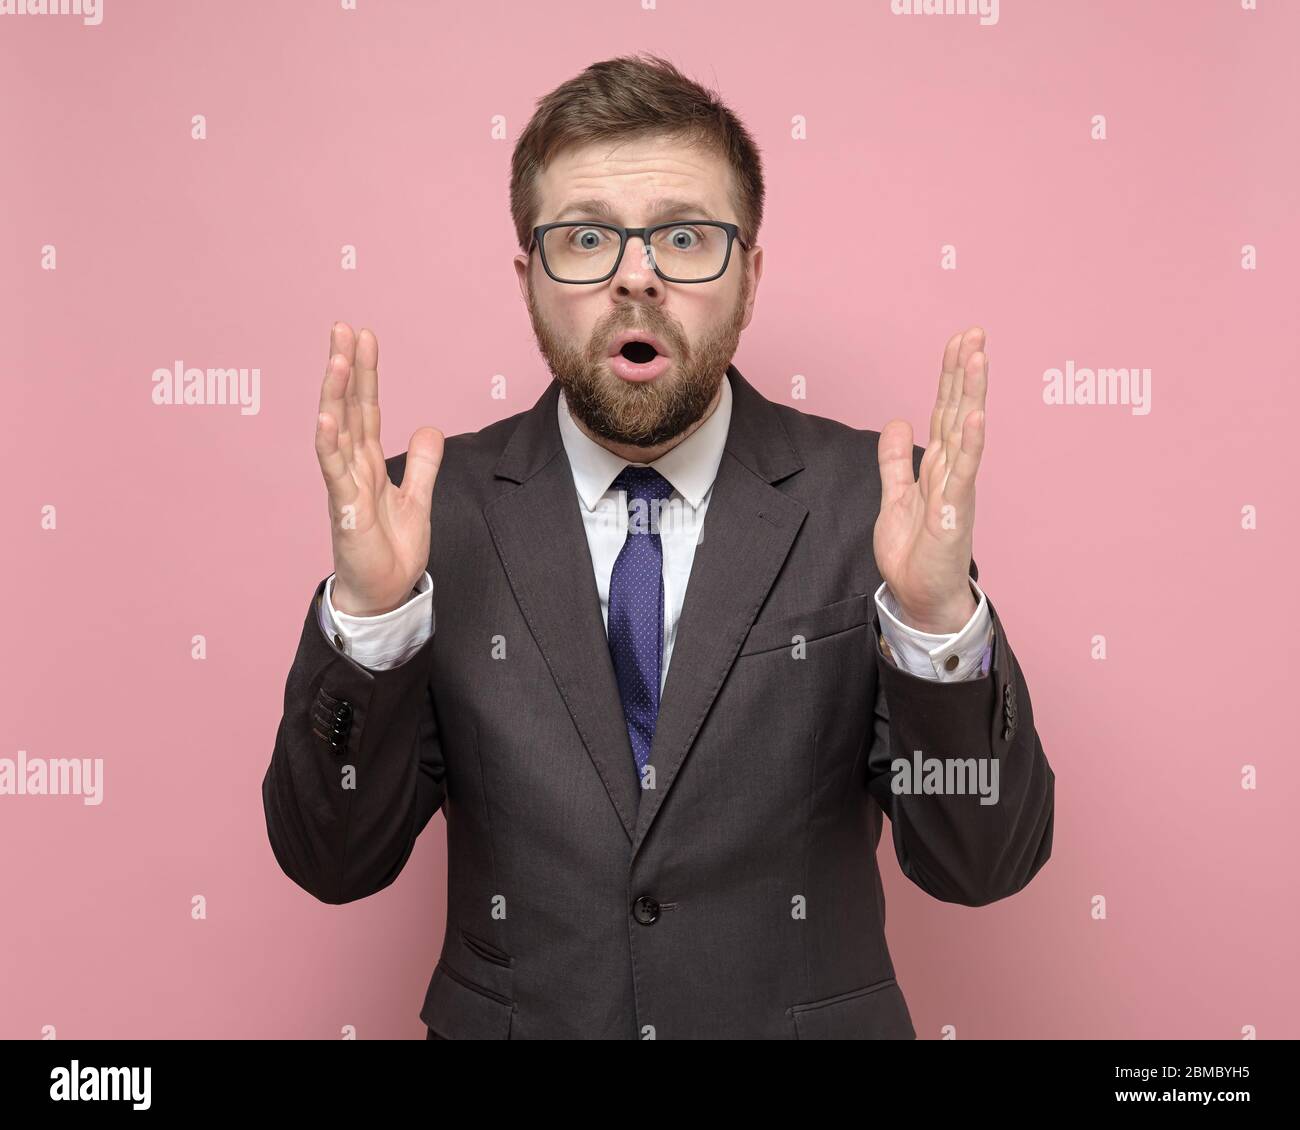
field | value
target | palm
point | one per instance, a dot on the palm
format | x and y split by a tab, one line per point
392	533
380	531
922	538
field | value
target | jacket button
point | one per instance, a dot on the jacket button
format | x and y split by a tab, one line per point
344	713
645	910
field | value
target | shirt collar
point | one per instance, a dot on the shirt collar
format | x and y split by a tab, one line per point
690	467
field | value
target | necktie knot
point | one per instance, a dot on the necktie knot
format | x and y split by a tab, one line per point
644	483
646	491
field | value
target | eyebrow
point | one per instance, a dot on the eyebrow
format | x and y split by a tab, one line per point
677	209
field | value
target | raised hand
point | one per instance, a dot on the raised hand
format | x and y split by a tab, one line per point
379	532
923	533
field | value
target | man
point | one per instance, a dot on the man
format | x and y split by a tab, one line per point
654	645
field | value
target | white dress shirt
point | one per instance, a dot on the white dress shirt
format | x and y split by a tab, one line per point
384	641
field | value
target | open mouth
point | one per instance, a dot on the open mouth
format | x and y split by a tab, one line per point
639	361
639	352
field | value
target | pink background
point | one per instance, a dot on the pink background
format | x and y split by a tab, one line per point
329	127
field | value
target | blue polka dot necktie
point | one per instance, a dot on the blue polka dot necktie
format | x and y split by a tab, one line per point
636	607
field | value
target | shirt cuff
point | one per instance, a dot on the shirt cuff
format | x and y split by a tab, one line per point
945	658
387	640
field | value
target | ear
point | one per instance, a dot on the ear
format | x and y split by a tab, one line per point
754	257
521	273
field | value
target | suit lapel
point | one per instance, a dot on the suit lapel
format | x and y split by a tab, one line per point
748	531
540	538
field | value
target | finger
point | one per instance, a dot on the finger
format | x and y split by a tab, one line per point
423	458
339	483
351	429
971	342
333	389
331	398
959	490
894	453
974	393
974	386
969	389
365	376
334	400
947	373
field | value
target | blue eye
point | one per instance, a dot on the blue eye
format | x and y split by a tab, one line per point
587	239
680	239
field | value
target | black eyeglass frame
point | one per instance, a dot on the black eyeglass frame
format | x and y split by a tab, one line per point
644	234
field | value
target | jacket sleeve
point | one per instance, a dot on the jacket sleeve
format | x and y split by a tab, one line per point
948	843
357	769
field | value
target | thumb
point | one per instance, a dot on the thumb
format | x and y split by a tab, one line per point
895	454
423	458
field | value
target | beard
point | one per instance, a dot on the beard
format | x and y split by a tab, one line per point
641	414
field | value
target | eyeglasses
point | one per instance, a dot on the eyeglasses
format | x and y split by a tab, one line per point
684	251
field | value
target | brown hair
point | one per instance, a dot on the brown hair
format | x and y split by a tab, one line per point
633	96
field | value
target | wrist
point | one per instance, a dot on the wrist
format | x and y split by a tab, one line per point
944	620
345	602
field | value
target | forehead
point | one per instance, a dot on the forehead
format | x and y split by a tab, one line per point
635	181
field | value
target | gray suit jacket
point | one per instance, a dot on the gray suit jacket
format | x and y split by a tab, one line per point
740	896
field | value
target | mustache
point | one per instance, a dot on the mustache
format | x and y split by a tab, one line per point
665	330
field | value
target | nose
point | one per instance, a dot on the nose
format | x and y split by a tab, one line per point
635	280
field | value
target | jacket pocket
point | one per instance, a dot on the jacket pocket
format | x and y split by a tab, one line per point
814	624
455	1008
873	1012
486	950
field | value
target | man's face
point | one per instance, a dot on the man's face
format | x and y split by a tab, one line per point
697	324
